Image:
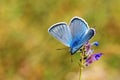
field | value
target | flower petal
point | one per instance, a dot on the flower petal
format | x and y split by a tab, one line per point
98	55
88	48
95	43
93	58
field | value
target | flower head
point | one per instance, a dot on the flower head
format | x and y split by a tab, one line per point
89	56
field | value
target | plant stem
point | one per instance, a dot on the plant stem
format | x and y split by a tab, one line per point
80	74
81	67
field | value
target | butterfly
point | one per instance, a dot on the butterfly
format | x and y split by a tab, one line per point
74	35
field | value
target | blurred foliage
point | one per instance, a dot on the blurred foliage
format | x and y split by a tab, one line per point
28	52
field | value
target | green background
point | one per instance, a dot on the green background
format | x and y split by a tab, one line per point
28	52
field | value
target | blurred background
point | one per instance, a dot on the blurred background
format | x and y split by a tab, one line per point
28	52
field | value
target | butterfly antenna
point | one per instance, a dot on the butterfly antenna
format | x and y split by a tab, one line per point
61	48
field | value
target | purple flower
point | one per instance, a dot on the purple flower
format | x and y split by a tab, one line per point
92	58
89	57
88	46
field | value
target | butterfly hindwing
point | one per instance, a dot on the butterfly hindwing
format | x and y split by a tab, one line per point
61	32
86	37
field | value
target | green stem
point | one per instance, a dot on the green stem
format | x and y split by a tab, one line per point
81	67
80	74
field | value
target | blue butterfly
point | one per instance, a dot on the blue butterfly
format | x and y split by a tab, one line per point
74	35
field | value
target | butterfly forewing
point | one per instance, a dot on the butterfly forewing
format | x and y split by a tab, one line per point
61	32
78	27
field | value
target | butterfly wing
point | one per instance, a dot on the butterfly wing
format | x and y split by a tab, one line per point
81	33
78	27
61	32
79	43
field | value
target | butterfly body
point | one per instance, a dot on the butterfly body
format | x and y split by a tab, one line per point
75	35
